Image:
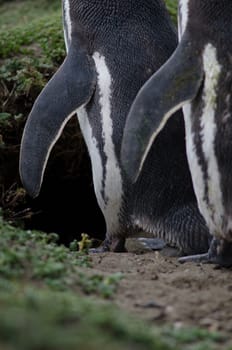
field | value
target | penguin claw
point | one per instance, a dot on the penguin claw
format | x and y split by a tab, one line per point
220	253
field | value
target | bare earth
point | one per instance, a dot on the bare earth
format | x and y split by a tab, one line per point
161	290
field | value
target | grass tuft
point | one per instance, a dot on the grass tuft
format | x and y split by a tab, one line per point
35	257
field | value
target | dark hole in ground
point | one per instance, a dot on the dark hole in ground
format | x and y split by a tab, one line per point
67	207
67	204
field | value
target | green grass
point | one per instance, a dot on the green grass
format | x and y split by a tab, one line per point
44	33
28	60
26	63
36	258
45	320
20	13
31	50
43	289
32	319
172	8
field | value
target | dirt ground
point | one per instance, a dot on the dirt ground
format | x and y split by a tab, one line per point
161	290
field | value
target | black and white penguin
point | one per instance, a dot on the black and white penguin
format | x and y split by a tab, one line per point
113	48
198	76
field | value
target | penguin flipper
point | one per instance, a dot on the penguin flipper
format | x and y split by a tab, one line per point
174	84
71	87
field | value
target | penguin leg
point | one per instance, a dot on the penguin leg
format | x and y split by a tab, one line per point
219	253
114	244
71	87
185	229
174	84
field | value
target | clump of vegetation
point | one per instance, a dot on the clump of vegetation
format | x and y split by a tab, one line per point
31	49
35	257
43	303
172	8
45	320
19	13
28	61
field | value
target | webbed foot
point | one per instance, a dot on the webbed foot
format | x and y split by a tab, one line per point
220	253
198	258
152	243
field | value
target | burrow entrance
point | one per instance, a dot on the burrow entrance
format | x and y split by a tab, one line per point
67	204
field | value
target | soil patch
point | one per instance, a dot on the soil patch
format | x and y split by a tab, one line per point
162	291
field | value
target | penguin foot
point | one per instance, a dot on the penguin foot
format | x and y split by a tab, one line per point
220	253
198	258
152	243
116	245
101	249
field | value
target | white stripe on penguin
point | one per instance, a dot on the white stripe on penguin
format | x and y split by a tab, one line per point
113	180
67	19
94	152
194	164
184	15
212	71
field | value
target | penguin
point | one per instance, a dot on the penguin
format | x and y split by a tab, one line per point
198	78
113	47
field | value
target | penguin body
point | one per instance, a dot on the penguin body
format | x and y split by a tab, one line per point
113	48
198	77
